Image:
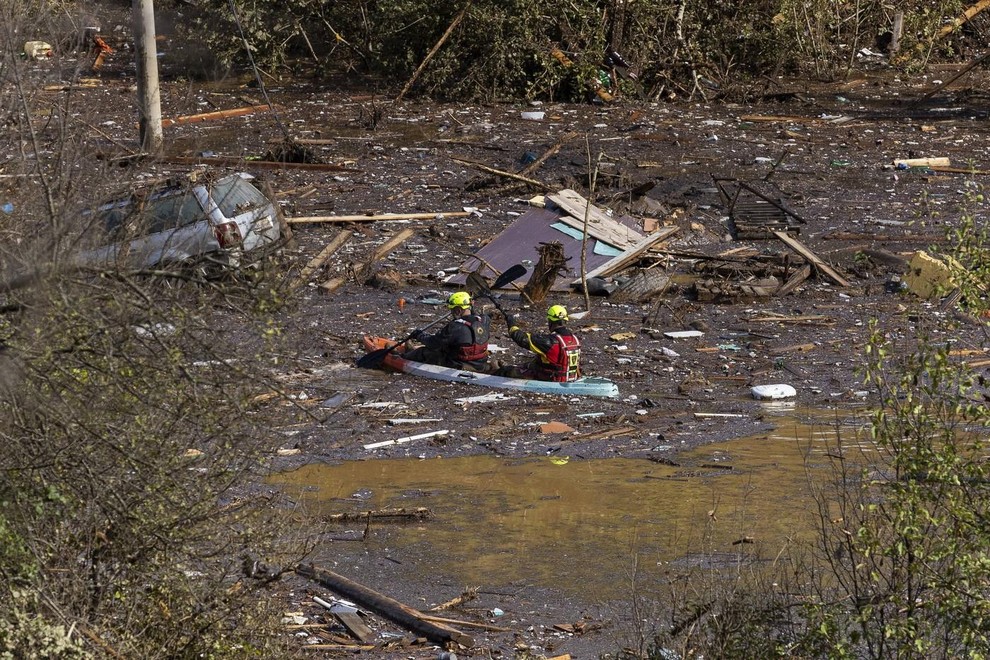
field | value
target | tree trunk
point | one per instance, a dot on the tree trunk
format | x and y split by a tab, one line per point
552	261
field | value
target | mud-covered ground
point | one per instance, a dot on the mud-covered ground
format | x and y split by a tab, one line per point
830	149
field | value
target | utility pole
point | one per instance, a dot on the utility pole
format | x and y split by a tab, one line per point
149	93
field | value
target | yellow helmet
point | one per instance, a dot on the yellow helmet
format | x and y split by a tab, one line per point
459	299
557	313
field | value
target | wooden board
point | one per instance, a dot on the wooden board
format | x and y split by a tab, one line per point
812	258
356	625
600	224
630	254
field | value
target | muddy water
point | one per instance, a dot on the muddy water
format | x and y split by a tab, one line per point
582	525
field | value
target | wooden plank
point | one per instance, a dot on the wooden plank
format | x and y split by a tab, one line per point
630	254
316	262
600	224
381	217
384	606
379	254
812	258
793	348
357	627
255	164
386	248
465	624
800	275
219	114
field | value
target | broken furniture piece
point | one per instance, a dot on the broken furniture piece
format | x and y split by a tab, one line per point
753	214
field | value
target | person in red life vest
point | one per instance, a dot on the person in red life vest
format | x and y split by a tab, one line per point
461	344
558	352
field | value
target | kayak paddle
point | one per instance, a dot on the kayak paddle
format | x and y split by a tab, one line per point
373	359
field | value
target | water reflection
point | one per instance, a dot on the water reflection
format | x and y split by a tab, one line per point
580	525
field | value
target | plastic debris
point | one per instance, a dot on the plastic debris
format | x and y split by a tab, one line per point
775	391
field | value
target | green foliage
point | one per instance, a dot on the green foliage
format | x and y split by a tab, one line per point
129	452
501	48
25	634
907	552
968	253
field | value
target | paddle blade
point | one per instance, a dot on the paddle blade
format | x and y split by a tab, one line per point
374	359
511	275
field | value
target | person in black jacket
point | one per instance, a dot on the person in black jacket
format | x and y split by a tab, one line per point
461	344
558	352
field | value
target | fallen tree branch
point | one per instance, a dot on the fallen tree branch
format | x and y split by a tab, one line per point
419	513
384	606
433	51
507	175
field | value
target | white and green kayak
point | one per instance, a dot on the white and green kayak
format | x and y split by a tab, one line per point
587	386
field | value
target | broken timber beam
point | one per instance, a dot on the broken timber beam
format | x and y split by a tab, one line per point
380	253
972	11
382	605
320	259
381	217
256	164
629	255
219	114
535	165
800	275
418	513
812	258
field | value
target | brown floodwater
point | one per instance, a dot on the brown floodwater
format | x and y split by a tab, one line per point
585	526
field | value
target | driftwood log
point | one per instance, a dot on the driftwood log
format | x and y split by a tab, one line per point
382	605
551	262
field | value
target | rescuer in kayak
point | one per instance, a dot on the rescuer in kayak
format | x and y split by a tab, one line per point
461	344
558	352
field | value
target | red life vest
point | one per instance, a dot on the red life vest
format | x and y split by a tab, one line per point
563	360
478	348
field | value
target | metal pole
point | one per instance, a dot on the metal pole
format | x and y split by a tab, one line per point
149	93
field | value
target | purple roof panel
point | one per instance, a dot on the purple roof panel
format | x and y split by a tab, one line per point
520	241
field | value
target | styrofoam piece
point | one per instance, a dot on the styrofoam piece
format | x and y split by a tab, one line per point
683	334
775	391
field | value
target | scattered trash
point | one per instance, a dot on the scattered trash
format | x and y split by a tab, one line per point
37	50
337	606
408	438
555	427
156	330
776	391
533	115
702	415
484	398
683	334
7	208
927	276
908	163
